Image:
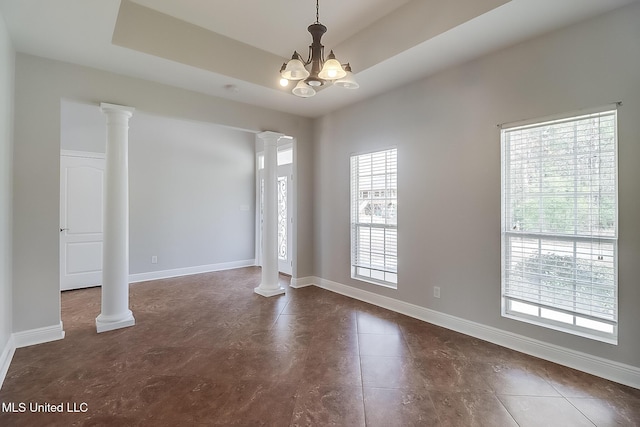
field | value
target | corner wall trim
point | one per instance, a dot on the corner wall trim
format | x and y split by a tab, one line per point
608	369
166	274
38	336
5	358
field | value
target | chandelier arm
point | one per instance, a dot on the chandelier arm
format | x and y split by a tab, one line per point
309	57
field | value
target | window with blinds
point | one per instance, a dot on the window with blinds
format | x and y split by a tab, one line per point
560	224
374	225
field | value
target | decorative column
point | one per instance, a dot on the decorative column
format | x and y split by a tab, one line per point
270	285
115	311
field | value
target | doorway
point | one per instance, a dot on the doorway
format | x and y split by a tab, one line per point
81	219
286	195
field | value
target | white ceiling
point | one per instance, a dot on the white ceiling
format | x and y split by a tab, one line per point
393	41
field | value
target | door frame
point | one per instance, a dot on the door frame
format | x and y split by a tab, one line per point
292	195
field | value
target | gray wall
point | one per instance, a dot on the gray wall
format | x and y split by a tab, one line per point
40	85
7	57
187	181
449	170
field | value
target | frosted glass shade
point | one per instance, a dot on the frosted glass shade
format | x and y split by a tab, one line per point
347	82
294	70
332	70
303	90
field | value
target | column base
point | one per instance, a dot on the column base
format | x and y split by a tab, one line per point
269	292
109	323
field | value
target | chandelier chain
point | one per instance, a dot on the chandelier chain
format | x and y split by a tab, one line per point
317	12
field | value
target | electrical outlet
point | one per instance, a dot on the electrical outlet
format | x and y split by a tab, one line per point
154	259
436	291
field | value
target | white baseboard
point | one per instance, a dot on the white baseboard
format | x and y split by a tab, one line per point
166	274
5	358
38	336
604	368
301	282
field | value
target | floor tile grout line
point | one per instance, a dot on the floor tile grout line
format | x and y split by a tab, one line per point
434	406
506	409
364	406
578	409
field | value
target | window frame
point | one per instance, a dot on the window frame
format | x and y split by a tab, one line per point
355	226
507	302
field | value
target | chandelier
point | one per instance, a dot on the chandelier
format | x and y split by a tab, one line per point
315	71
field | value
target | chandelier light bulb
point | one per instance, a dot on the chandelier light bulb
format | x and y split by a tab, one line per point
284	82
332	69
294	70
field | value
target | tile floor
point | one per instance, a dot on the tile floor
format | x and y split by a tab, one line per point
206	350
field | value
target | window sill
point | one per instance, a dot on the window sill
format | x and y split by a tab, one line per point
376	282
608	339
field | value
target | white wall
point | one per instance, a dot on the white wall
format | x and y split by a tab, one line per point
40	86
449	170
83	127
7	59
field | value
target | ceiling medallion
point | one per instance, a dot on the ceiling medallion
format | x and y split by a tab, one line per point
315	71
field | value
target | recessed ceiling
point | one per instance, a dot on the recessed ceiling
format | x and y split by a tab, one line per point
277	26
215	44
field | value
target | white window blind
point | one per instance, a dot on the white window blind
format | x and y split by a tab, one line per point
559	236
374	226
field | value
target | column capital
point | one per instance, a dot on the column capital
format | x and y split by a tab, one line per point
270	136
114	108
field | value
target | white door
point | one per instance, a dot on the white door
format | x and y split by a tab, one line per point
81	220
